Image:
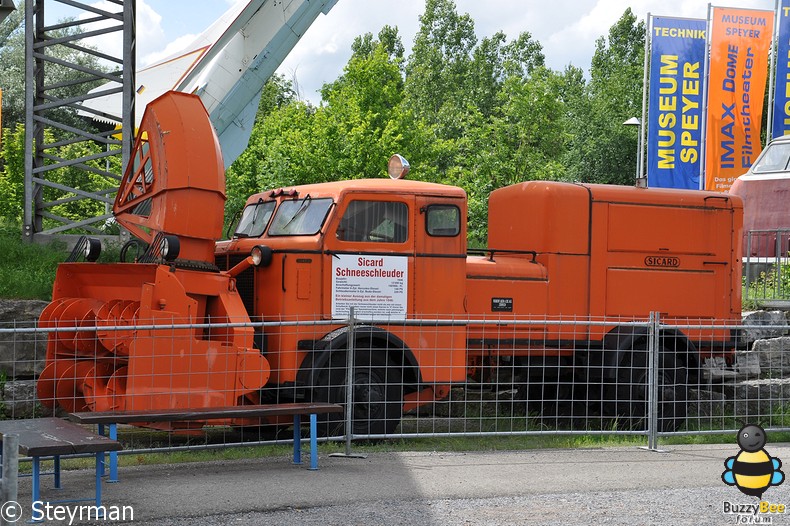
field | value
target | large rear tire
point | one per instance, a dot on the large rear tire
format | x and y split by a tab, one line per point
630	402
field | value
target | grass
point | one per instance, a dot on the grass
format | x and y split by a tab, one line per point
771	285
27	270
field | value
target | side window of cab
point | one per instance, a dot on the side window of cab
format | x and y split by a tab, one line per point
374	221
443	220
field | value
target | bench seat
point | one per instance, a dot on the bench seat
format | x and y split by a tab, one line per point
207	414
55	437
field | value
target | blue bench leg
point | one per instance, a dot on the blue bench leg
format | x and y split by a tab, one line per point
313	442
297	439
36	479
113	435
113	455
36	491
99	472
57	471
101	432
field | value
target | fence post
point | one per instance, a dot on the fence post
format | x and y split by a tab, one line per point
778	265
748	260
349	389
653	359
8	485
350	380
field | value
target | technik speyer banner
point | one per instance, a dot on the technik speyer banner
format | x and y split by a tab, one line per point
675	105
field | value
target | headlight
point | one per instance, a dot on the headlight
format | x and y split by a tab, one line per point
261	255
169	248
92	249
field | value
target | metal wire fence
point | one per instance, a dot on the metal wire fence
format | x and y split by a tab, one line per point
443	376
766	268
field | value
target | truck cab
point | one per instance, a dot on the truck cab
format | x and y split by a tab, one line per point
393	250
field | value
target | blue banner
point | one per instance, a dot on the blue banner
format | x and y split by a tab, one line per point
675	106
781	114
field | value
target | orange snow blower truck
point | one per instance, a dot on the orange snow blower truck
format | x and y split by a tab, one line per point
154	335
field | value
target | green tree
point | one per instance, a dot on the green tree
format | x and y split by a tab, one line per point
253	170
371	84
72	205
439	67
71	83
12	173
604	149
523	141
276	93
12	72
478	114
12	178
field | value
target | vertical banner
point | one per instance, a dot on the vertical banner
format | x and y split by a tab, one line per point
675	108
739	44
781	113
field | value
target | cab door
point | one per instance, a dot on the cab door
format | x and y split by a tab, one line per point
440	256
440	286
370	257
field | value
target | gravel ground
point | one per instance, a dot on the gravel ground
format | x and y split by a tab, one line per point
620	485
697	507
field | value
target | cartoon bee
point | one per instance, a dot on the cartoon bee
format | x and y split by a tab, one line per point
752	470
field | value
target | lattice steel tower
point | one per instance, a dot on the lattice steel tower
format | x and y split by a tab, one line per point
72	163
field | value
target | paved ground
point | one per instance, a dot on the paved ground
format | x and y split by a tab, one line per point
589	486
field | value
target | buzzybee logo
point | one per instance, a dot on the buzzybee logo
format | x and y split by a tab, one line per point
752	470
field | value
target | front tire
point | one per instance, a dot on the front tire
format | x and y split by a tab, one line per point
377	400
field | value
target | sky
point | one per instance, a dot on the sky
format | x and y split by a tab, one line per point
567	29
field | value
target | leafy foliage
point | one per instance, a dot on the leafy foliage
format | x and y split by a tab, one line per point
12	173
603	150
479	114
72	82
773	284
12	178
64	82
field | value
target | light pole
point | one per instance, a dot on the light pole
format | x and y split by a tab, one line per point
639	181
6	6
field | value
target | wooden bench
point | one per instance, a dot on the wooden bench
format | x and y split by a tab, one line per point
55	437
113	418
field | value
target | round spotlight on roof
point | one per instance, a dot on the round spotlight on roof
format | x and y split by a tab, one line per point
398	167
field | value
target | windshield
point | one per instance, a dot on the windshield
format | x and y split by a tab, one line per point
300	217
774	159
254	219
